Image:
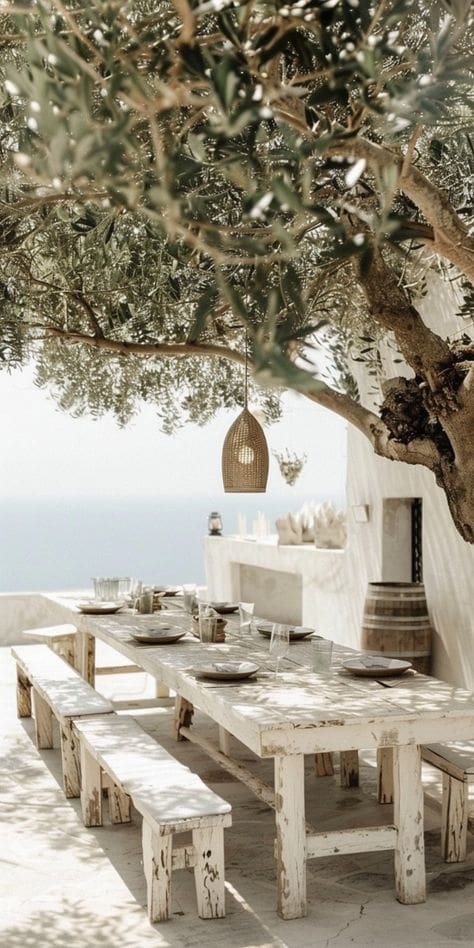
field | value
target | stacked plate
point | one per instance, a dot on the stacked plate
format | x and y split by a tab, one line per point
376	666
296	632
163	635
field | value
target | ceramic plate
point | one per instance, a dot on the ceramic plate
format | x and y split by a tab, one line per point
375	666
167	590
93	608
226	671
296	631
224	608
163	636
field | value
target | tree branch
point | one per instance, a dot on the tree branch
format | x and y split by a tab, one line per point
426	352
161	349
451	237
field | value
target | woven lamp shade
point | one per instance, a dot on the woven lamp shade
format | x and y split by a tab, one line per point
245	457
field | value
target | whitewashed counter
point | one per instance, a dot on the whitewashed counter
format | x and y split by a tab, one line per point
299	584
304	713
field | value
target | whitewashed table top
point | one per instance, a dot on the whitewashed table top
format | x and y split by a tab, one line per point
300	712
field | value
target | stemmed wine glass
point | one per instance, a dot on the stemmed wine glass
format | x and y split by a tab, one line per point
279	644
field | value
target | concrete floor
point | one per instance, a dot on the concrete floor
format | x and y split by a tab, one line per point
64	885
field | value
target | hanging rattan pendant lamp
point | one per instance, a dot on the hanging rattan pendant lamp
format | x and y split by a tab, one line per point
245	452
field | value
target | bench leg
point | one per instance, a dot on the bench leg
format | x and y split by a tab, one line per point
119	805
157	865
454	819
183	715
23	694
323	765
43	722
70	760
209	872
349	768
91	789
385	775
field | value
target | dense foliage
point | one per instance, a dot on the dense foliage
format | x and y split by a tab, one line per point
180	176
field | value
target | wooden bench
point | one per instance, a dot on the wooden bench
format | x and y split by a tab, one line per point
60	691
170	798
456	762
66	640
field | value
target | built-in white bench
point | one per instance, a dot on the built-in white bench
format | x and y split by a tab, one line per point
170	798
455	760
58	690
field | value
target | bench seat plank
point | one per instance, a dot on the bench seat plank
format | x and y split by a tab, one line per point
458	753
58	682
167	790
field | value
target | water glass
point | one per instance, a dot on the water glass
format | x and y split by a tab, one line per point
321	654
145	601
189	597
279	644
246	617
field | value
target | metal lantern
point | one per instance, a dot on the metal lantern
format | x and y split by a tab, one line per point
245	456
214	524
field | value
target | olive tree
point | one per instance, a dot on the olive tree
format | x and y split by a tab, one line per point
188	181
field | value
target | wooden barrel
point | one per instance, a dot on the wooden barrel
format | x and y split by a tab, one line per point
396	623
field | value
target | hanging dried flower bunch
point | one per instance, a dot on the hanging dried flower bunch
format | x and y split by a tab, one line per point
290	465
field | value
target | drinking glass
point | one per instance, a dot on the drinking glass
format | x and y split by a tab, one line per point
321	650
279	644
189	597
246	617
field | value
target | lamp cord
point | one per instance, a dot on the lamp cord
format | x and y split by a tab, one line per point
245	371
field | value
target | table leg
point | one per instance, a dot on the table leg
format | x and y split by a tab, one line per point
224	741
161	690
183	716
410	877
291	836
84	656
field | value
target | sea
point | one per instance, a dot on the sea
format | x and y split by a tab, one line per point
49	544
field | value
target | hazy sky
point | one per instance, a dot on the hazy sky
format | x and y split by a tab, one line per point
45	452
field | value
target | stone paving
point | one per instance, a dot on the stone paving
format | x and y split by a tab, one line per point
64	885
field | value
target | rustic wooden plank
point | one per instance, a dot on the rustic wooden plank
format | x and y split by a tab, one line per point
161	787
290	836
209	872
183	715
91	789
408	818
119	805
43	721
323	765
70	751
454	819
157	865
366	839
455	758
385	774
349	768
23	694
225	741
183	858
262	790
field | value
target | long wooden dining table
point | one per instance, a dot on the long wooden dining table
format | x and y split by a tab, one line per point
300	713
